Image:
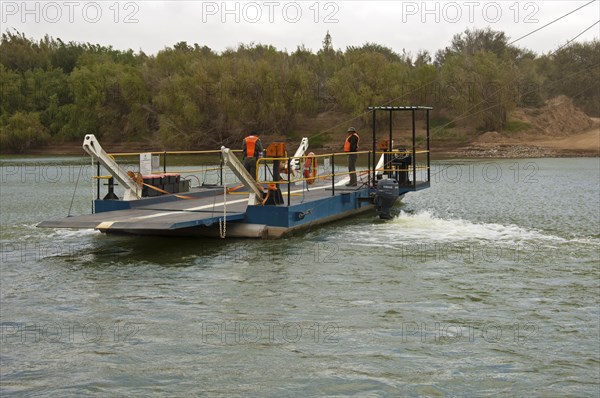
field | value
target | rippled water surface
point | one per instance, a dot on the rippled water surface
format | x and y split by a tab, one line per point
487	284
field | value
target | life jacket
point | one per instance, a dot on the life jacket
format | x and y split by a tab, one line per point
250	145
347	142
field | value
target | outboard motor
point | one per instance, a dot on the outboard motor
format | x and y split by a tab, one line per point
387	194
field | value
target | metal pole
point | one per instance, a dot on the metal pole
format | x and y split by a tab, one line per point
164	161
289	170
414	154
390	142
98	181
374	149
428	154
221	170
388	158
332	174
369	169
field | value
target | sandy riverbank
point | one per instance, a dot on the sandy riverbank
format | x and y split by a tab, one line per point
586	144
558	129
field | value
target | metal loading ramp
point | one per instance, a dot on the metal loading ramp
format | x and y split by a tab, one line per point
164	216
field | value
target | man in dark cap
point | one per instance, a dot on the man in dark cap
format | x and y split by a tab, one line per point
351	145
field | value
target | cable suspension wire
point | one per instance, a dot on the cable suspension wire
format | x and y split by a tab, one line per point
550	23
462	116
467	112
570	41
428	84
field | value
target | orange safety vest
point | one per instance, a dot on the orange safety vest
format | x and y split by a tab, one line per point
250	145
347	142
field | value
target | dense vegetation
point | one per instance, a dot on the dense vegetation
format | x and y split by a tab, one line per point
190	96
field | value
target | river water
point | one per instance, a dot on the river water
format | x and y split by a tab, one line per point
487	284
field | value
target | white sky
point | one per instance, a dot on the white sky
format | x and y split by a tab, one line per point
152	25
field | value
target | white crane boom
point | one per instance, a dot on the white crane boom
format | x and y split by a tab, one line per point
133	190
295	161
256	190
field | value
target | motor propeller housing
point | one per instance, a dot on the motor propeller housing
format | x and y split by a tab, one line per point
388	191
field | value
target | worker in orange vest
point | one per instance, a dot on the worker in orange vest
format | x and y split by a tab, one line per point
351	145
251	149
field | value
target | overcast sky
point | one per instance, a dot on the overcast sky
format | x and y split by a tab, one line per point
411	25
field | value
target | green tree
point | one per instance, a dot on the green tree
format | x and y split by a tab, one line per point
574	71
368	77
19	53
109	100
22	131
481	76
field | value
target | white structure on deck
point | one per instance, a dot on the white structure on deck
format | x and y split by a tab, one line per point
256	190
133	190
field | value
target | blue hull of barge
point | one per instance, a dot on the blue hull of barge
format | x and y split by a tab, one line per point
295	216
317	207
310	212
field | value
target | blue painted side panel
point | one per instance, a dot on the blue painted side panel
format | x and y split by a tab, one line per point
293	216
207	222
276	216
102	206
110	205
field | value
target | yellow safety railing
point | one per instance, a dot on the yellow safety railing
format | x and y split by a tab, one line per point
164	155
263	163
284	160
302	161
314	160
213	152
405	152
